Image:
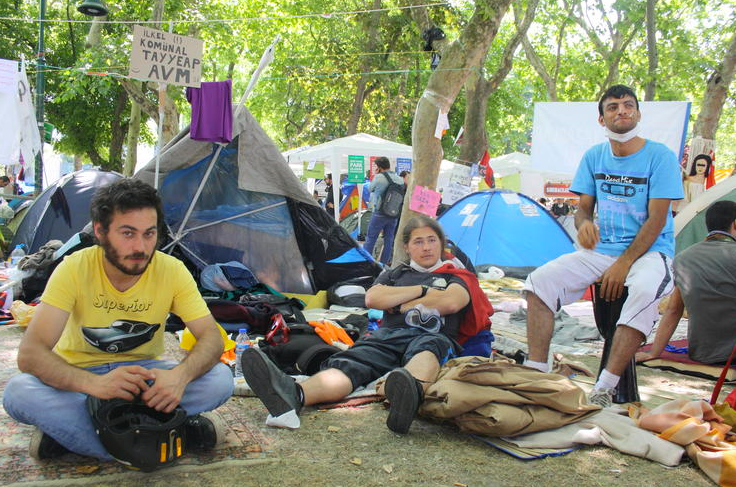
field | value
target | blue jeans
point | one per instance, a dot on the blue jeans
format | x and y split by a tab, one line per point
63	414
377	224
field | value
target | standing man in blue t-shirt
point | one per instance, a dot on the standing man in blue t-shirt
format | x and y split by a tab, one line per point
632	180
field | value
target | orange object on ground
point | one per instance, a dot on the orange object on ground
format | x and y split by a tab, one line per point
331	333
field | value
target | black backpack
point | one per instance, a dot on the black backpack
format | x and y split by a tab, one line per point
392	199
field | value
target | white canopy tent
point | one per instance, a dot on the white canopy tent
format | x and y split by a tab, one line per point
334	155
531	180
335	152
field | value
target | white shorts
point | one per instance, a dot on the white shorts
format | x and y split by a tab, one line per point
565	279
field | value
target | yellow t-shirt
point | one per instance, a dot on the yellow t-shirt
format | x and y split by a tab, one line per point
80	286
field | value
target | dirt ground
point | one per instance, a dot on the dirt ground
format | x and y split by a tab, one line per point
360	451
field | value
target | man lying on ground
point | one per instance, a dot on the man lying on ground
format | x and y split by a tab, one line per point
426	303
705	284
632	180
122	279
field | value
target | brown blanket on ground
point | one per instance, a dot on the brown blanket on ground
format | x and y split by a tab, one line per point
503	399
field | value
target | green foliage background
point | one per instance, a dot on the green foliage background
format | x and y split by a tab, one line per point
307	94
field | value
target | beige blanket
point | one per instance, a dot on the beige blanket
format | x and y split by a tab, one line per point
503	399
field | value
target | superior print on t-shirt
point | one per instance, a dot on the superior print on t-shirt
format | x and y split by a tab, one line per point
80	286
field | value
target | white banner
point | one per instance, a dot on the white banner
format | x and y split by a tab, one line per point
562	132
10	134
166	57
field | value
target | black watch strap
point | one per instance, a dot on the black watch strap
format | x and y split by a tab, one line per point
425	288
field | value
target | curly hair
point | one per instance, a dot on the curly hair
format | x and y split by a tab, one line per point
122	196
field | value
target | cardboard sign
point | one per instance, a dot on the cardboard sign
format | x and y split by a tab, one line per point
460	174
314	169
425	200
356	169
454	192
403	164
165	57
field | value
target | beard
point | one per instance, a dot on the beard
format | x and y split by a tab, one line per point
114	258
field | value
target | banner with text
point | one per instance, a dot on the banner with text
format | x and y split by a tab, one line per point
356	169
166	57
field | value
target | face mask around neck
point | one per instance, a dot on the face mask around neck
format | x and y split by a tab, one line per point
622	138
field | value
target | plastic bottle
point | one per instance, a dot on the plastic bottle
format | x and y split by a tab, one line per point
241	343
17	254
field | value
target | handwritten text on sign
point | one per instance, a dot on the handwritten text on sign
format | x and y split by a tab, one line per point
425	200
166	57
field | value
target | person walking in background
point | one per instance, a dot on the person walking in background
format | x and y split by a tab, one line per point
381	223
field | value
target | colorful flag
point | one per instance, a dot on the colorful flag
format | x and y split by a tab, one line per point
488	172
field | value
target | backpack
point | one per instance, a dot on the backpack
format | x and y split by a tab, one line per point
392	199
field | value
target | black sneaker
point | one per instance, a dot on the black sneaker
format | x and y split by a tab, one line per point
405	394
276	390
44	447
204	431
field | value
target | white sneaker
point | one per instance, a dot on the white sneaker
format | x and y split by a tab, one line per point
601	397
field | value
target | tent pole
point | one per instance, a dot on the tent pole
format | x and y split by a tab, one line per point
266	59
199	191
233	217
360	205
336	188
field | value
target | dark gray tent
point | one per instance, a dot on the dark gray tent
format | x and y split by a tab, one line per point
242	202
61	210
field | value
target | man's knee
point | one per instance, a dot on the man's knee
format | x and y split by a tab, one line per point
222	381
216	385
19	394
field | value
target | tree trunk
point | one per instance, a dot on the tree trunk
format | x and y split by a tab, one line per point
171	119
95	31
396	111
475	138
118	129
77	162
361	89
715	93
535	61
478	89
357	110
443	86
134	130
650	88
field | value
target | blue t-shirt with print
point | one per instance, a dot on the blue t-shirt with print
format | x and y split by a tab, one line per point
623	187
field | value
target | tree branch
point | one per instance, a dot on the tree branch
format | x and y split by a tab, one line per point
136	93
507	59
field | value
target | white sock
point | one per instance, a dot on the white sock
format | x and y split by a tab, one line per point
607	380
540	366
288	420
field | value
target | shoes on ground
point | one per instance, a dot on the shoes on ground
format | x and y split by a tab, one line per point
44	447
601	397
404	394
276	390
204	431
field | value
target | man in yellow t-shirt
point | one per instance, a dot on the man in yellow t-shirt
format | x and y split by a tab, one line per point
99	331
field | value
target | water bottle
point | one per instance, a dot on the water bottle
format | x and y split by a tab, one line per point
241	343
17	254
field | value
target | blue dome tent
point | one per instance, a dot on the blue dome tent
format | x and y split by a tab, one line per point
504	228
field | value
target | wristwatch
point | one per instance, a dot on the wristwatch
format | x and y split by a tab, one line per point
425	288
